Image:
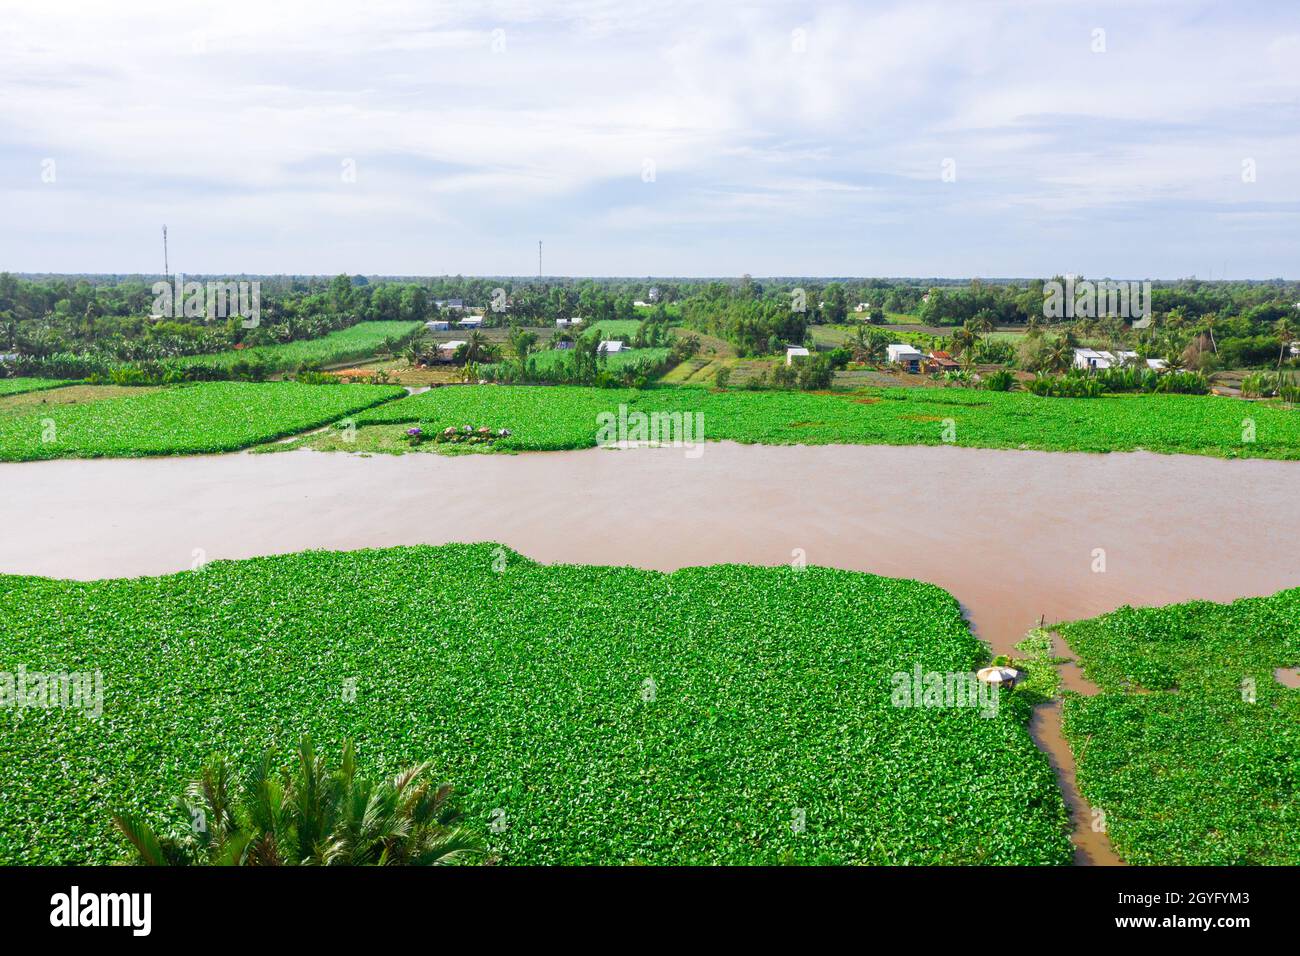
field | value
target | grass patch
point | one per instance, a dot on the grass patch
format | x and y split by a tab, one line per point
181	420
354	342
26	402
1192	749
542	417
613	715
20	386
624	329
552	358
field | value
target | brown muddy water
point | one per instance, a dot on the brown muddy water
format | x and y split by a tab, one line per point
1015	535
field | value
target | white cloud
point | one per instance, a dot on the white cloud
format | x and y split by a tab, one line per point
234	118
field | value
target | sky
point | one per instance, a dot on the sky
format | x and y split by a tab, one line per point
997	139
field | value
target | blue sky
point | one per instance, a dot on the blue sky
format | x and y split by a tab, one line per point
666	138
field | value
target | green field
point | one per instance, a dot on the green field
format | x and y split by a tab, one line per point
19	386
356	341
181	420
1192	750
612	715
623	329
551	358
542	417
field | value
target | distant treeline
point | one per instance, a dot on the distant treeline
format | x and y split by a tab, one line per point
106	320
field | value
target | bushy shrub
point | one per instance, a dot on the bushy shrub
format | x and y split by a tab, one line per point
1000	381
1066	386
840	358
1271	385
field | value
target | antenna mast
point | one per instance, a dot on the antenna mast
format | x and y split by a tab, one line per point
539	258
167	272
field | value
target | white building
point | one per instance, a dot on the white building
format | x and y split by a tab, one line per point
1157	365
641	305
448	349
9	357
1094	360
611	345
908	356
862	307
471	322
794	352
438	325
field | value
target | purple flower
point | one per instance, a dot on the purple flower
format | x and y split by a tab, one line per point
414	431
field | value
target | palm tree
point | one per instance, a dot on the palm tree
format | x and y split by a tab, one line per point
1060	354
478	348
1285	332
309	816
1208	322
414	354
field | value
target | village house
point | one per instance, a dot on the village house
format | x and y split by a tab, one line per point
438	325
447	350
940	361
1094	360
471	322
449	303
610	346
908	356
793	353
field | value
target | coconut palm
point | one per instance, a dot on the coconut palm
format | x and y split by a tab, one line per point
478	348
1208	322
1059	355
310	815
965	339
1285	332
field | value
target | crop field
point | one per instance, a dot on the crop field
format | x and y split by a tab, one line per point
728	714
1192	750
26	403
181	420
617	328
542	417
550	358
354	342
20	386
